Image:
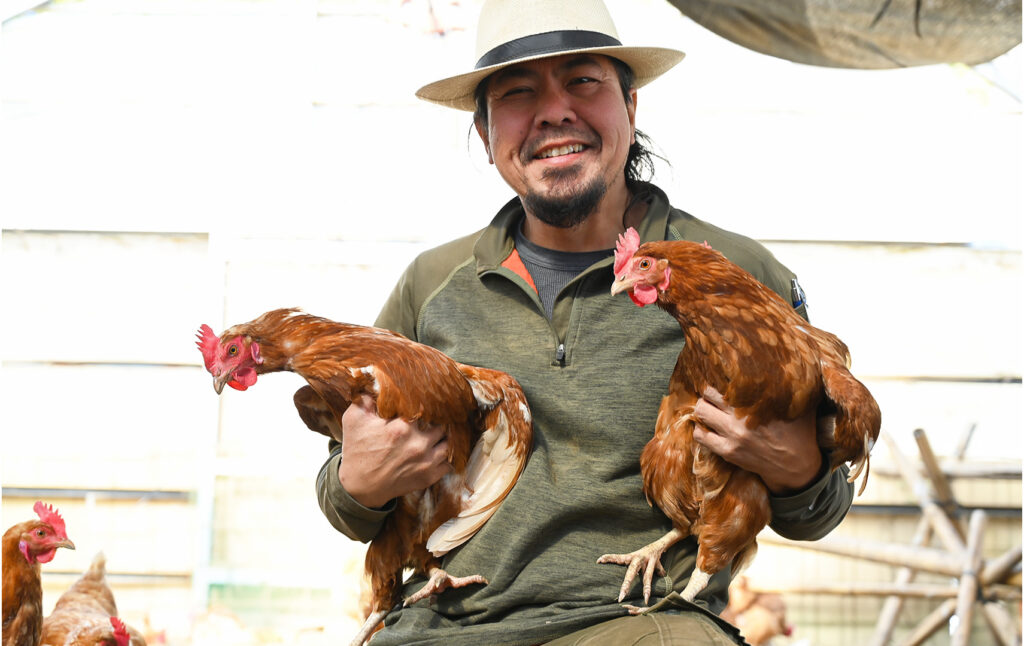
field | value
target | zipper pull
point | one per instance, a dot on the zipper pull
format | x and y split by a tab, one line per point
560	353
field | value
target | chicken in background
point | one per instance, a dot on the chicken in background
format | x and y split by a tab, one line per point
748	344
86	614
25	546
483	414
759	615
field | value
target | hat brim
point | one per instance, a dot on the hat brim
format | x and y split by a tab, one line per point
647	63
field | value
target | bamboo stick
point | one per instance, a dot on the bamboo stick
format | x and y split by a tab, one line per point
988	470
940	484
969	583
999	569
890	612
935	620
1002	625
904	590
995	571
943	527
928	559
961	446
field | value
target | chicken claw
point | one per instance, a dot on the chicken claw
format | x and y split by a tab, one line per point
439	582
648	559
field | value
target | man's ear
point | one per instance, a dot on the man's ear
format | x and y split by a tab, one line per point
631	111
481	129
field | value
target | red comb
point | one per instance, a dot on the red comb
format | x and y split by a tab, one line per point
625	247
208	342
50	516
121	635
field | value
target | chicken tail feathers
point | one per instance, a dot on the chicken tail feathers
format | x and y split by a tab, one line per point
857	422
743	559
498	457
97	568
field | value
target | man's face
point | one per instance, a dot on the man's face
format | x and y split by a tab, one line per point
559	131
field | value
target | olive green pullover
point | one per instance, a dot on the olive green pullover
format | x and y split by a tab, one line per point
594	375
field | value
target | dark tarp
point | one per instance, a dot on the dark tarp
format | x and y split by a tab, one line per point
865	34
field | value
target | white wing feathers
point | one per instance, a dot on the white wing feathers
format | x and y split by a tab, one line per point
498	458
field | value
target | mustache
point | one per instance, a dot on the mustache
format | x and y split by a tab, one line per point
586	138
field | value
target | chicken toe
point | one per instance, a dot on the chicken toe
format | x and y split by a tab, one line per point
647	558
440	581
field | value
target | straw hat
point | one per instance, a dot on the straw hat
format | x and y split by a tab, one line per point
514	31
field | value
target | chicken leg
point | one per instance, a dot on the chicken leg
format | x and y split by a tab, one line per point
648	559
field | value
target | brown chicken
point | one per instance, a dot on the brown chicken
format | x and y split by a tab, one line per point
768	363
760	616
86	614
25	546
482	412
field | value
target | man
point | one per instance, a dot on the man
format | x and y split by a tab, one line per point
555	97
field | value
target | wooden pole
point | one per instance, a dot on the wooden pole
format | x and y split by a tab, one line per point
999	620
1002	625
890	612
990	470
872	589
961	446
940	484
928	559
931	624
943	527
997	570
969	583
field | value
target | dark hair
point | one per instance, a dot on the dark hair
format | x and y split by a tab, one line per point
639	159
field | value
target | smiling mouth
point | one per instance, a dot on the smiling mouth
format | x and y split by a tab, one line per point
560	151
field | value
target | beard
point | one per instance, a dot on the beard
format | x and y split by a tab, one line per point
566	209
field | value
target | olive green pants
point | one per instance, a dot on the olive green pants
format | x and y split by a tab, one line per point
661	629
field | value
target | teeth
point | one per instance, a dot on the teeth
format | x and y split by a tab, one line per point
562	150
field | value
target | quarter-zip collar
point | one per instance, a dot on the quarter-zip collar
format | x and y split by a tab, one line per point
497	241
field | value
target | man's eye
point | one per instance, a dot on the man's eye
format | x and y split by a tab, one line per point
514	91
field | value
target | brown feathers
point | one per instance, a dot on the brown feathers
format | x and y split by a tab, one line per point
768	364
86	614
483	413
25	546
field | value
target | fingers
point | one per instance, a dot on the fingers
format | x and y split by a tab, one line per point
387	458
712	396
440	456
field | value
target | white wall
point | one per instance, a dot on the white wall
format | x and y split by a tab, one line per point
166	164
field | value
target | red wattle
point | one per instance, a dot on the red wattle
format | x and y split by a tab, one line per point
643	295
46	557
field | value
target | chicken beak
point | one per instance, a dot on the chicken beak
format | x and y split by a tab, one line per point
220	380
621	284
66	543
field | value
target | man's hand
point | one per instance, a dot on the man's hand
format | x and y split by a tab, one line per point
387	458
784	454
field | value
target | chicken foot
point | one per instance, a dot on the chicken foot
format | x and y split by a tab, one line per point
440	581
648	559
367	628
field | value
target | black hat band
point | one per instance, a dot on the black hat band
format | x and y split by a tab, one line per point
550	42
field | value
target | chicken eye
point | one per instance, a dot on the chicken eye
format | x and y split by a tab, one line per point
40	533
233	350
644	264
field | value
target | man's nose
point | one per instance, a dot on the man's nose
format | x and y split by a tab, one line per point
554	107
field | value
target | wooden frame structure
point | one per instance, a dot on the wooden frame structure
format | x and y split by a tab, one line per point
980	583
